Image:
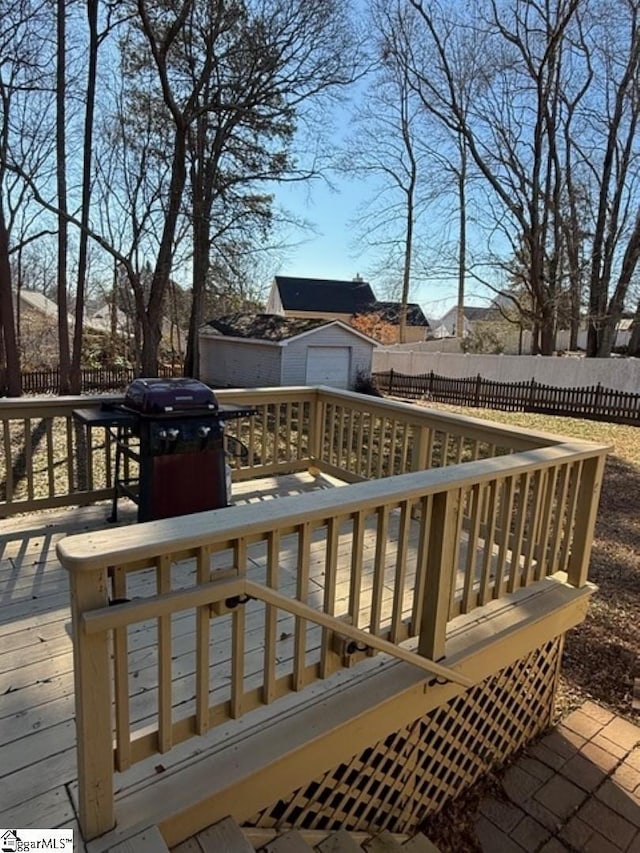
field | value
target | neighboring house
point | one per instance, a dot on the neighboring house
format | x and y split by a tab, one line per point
473	316
319	298
330	299
101	320
623	331
174	338
260	350
37	324
417	324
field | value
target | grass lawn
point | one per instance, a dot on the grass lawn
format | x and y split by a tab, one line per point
601	656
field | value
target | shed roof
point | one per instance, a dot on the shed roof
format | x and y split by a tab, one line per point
264	327
327	295
273	328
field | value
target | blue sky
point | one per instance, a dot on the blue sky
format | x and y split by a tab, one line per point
328	249
331	253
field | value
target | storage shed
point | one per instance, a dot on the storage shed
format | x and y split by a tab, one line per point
259	350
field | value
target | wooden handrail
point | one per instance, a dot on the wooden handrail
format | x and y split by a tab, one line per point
129	612
297	608
91	551
123	615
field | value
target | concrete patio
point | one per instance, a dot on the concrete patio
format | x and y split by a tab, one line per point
577	789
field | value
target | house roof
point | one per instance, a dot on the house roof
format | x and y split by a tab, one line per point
341	297
39	302
273	328
327	295
101	319
474	313
390	313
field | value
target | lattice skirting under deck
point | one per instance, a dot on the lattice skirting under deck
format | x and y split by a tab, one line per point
396	783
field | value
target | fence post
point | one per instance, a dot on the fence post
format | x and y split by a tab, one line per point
391	381
440	573
430	381
532	393
92	679
584	527
476	399
598	399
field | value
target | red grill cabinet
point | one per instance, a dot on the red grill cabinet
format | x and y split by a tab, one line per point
174	430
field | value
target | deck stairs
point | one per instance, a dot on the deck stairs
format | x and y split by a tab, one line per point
227	837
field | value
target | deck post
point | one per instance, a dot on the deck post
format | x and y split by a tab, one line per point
92	677
441	556
586	512
315	426
419	455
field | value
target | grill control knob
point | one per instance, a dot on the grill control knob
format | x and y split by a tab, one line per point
173	433
203	431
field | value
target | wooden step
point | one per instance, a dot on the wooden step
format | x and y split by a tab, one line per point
224	837
383	843
290	842
419	844
339	842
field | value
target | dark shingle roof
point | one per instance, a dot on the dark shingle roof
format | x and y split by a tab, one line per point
474	313
390	313
264	327
319	294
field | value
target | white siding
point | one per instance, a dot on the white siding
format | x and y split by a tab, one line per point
294	361
274	303
239	364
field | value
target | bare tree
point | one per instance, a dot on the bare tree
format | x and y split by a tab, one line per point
612	160
510	127
75	381
250	71
23	79
382	147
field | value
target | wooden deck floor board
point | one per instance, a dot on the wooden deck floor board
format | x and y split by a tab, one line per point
37	730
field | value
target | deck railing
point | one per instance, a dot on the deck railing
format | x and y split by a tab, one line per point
242	606
50	460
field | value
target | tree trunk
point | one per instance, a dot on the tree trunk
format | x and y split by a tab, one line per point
634	340
406	272
61	176
616	304
462	239
13	378
202	175
547	335
200	272
92	17
152	320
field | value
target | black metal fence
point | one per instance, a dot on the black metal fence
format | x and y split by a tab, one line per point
593	402
102	379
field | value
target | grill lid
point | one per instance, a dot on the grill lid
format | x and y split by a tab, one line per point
163	396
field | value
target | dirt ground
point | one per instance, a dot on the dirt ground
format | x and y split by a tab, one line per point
602	655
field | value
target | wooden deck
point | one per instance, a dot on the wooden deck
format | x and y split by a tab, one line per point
37	728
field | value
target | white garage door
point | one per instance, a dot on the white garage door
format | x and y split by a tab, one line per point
328	366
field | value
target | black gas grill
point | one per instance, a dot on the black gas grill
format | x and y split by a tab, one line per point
174	430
